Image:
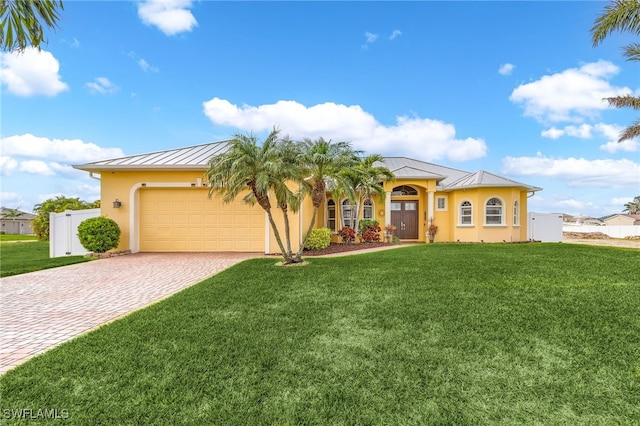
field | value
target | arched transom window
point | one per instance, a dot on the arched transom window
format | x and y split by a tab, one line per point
404	190
493	212
367	210
466	213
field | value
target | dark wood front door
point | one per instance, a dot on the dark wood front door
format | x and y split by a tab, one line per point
404	215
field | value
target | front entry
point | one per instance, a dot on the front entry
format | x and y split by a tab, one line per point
404	215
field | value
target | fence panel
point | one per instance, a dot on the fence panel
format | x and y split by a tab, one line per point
63	232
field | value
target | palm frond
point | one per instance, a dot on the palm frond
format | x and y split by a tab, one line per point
631	132
626	101
632	51
619	15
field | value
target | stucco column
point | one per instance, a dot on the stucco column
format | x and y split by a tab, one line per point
430	203
387	209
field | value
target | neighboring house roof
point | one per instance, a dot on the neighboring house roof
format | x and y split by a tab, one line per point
22	216
197	157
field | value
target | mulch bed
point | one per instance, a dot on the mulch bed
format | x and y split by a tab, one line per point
343	248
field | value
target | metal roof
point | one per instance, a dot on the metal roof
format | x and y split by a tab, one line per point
483	179
192	157
197	158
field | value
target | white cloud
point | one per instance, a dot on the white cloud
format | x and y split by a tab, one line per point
7	165
11	199
417	137
626	146
506	69
588	131
571	95
102	85
371	37
395	34
146	66
576	171
170	16
31	73
36	167
70	151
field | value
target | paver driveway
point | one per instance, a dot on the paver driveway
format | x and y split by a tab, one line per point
42	309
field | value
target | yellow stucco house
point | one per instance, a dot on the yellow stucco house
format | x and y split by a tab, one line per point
160	201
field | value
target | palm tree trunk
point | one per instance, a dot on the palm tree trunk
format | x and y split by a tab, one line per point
287	230
306	235
287	256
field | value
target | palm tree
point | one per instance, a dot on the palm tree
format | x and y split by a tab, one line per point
621	15
322	162
22	22
364	181
633	207
260	169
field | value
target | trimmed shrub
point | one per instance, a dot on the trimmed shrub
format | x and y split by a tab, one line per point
319	239
99	234
348	235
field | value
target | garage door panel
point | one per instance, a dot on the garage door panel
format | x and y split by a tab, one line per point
185	219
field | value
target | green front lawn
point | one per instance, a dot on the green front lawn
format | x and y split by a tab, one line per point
429	334
28	256
17	237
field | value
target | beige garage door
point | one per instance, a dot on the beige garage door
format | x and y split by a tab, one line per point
185	219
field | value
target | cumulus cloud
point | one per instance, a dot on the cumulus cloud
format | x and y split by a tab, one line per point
626	146
11	199
36	167
421	138
506	69
610	132
170	16
31	73
571	95
8	165
70	151
102	85
606	173
395	34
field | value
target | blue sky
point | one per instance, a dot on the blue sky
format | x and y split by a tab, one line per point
513	88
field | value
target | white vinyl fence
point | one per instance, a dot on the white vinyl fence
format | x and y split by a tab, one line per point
63	232
614	231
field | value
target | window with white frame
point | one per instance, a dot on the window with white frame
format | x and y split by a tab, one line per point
331	215
346	214
466	213
367	210
441	203
493	212
516	214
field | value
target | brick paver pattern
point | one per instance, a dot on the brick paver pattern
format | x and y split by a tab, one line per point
42	309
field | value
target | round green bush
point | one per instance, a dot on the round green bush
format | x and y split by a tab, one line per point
99	234
319	239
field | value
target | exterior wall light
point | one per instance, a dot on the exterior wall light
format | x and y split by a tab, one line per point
117	204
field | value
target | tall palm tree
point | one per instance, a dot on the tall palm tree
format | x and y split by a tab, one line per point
633	207
621	15
22	22
322	163
260	170
364	181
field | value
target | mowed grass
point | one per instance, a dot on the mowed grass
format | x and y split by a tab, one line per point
17	237
430	334
28	256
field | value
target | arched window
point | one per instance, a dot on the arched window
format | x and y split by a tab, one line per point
367	210
493	212
331	215
516	214
346	214
466	213
404	190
